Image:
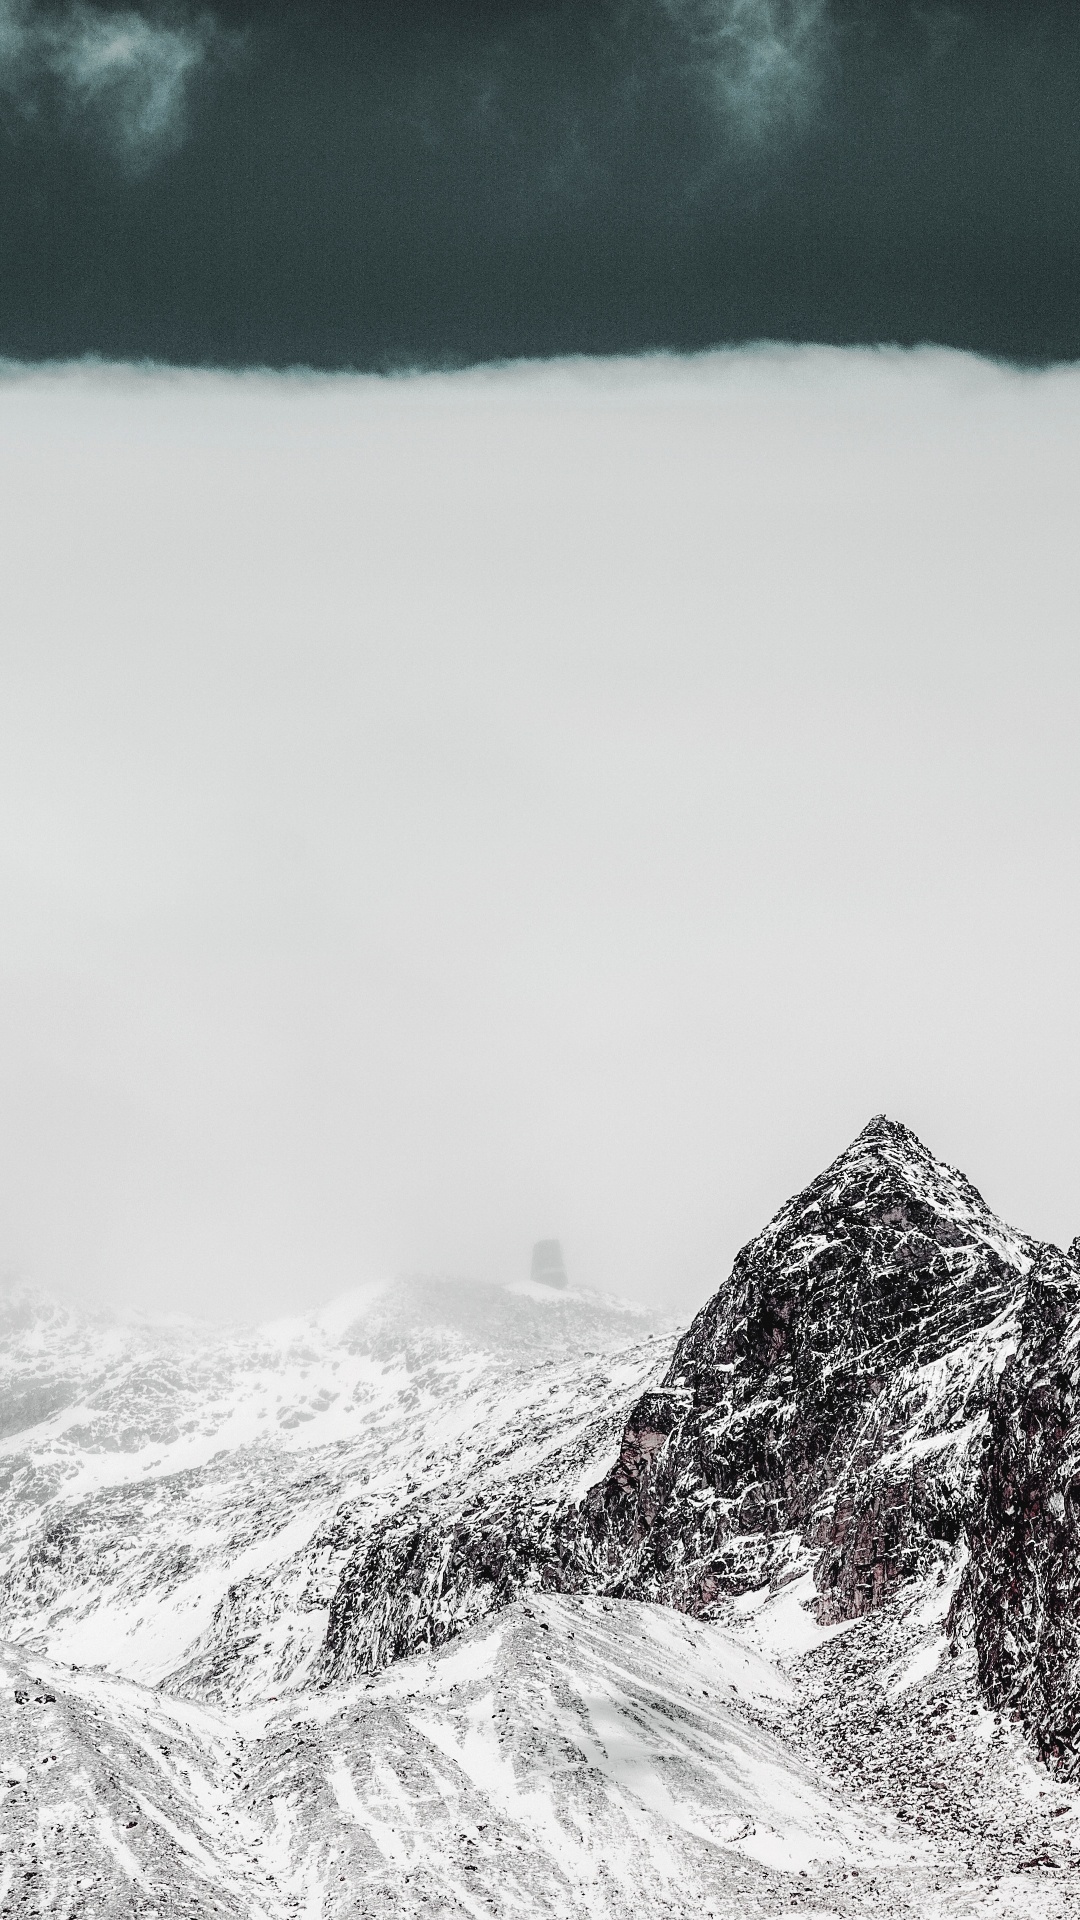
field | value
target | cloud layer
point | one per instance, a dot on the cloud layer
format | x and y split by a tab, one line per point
762	62
122	75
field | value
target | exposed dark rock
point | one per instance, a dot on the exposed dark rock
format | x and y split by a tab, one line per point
1021	1593
799	1404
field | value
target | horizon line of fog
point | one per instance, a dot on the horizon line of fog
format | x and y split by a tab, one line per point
413	370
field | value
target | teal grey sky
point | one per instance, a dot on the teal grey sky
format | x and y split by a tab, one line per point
396	183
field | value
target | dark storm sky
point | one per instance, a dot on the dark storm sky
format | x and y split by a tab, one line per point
382	182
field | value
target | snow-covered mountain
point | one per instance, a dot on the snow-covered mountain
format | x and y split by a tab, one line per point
458	1600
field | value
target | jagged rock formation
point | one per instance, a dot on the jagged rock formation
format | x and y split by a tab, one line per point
1021	1594
828	1398
825	1408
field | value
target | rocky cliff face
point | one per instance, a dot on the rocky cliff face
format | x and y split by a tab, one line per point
1020	1598
828	1401
826	1409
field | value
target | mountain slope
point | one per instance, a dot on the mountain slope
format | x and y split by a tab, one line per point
567	1758
184	1509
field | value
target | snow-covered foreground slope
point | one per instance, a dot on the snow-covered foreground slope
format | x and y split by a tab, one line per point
568	1757
186	1504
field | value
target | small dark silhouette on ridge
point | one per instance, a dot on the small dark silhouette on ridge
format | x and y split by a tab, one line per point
548	1265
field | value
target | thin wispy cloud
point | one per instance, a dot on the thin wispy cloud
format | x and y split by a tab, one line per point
124	76
762	62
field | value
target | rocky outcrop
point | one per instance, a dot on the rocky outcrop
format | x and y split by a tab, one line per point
424	1575
826	1408
1021	1593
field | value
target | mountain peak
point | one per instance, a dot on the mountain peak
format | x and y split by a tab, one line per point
887	1258
893	1143
888	1177
862	1325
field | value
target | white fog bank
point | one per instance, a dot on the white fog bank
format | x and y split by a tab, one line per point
443	812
